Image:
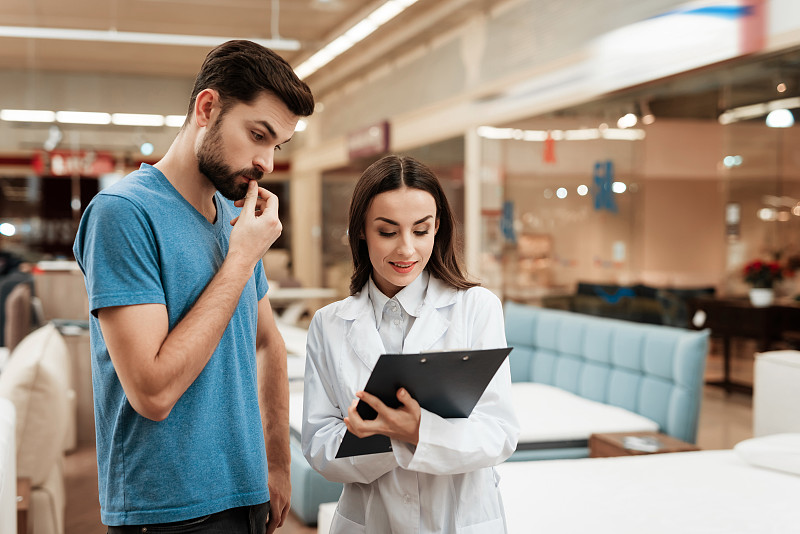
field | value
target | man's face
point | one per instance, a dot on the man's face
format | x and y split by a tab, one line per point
240	145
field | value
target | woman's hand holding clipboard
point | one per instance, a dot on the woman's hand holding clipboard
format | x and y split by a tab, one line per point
447	383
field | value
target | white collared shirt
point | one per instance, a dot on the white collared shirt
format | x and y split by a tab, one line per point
395	316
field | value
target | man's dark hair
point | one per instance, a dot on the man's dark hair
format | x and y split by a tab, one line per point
241	70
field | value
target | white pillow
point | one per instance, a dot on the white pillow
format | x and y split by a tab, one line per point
35	380
776	451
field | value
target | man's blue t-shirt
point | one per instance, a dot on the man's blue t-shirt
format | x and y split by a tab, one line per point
139	242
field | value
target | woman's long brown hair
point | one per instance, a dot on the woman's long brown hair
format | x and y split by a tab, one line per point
394	172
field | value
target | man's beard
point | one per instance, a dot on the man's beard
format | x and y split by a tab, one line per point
211	163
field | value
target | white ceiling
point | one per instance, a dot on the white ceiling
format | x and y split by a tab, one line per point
312	22
308	21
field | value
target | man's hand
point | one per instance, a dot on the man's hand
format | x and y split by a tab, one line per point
401	423
257	226
280	490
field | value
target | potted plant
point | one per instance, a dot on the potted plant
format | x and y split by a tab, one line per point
762	276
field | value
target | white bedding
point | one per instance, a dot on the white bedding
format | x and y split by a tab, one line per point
295	339
296	413
548	413
708	492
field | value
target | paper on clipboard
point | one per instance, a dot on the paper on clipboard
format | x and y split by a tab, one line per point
447	383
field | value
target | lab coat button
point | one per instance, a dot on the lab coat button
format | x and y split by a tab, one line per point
407	499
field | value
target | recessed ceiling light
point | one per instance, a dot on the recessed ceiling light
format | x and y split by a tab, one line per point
113	36
27	115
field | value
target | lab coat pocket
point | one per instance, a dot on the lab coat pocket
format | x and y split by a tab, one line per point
494	526
342	525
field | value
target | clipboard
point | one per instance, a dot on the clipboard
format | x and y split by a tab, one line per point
447	383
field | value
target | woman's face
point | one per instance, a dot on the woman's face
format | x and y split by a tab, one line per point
399	231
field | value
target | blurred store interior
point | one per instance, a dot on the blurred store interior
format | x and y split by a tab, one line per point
617	158
528	110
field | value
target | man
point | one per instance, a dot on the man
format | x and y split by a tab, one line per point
188	367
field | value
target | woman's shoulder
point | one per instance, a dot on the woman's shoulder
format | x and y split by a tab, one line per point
444	295
479	295
339	308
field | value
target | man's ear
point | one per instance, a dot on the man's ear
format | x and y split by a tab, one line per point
205	106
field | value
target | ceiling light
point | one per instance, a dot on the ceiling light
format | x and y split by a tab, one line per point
380	16
490	132
535	135
781	88
582	134
27	115
301	126
361	30
8	229
83	117
174	121
385	13
767	214
146	148
623	135
137	119
647	114
628	120
753	111
113	36
780	118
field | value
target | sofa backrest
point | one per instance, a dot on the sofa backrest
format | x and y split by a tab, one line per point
655	371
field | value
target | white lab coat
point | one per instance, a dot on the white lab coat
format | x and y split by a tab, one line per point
447	483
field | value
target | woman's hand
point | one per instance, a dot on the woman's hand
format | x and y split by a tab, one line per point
398	423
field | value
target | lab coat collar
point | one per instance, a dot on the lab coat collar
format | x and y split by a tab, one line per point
410	297
432	323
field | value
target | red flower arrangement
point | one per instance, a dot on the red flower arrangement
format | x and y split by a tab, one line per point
759	273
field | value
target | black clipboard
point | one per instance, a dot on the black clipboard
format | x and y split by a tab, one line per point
447	383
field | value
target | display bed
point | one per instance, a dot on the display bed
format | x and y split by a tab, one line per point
552	418
687	492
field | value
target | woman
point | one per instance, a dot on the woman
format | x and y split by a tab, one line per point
408	294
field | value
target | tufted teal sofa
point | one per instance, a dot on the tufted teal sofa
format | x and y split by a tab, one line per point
650	370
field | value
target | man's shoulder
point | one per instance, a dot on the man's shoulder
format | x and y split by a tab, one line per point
138	187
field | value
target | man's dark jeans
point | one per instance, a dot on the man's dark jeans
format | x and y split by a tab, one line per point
244	520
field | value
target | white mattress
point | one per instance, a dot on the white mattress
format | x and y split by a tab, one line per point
295	339
296	413
551	414
706	492
296	368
